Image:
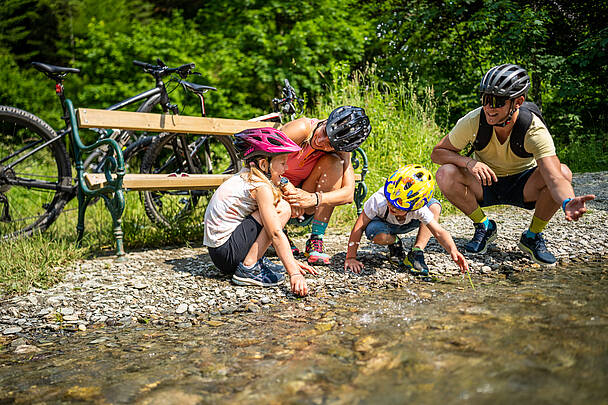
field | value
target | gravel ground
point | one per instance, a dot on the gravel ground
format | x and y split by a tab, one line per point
179	286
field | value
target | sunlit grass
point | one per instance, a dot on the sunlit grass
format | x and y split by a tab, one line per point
403	127
404	131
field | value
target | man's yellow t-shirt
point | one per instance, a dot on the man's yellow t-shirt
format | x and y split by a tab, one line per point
499	157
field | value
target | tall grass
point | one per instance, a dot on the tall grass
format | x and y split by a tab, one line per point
403	126
404	131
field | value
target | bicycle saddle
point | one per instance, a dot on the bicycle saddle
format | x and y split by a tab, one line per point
197	88
54	70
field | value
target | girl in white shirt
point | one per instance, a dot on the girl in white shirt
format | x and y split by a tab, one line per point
247	213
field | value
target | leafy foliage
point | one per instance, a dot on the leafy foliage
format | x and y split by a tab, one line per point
246	47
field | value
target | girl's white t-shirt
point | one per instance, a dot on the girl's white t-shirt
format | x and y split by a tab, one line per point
377	205
229	205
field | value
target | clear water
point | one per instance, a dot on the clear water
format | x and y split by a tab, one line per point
538	337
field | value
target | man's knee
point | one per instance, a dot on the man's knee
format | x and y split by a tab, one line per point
446	176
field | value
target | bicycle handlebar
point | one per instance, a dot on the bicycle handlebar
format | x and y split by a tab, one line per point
286	104
161	70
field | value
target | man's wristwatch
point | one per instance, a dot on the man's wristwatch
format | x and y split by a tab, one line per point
564	203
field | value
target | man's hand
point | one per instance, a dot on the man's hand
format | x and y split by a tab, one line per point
353	264
481	172
576	207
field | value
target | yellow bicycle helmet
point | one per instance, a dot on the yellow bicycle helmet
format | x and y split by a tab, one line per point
409	188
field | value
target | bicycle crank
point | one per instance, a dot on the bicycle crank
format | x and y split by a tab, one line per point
6	174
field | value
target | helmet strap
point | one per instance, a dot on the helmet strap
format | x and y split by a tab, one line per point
266	172
507	120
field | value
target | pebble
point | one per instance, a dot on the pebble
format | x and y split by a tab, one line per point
12	330
151	287
181	309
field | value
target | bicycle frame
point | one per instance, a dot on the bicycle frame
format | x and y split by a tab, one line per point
156	95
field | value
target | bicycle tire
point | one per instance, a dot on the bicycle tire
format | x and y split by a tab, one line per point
34	206
185	209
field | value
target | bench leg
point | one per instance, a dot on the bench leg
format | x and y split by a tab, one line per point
360	194
83	202
116	206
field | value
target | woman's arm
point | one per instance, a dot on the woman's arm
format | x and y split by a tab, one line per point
346	193
300	198
297	130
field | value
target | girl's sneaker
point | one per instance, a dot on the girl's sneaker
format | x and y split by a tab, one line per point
314	251
257	275
266	263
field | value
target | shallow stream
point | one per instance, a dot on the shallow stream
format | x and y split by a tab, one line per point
537	337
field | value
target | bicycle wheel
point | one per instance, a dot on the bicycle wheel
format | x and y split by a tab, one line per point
209	155
35	174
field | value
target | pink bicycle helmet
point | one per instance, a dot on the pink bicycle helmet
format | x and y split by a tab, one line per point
263	142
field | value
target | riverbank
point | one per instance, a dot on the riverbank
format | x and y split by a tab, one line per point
181	287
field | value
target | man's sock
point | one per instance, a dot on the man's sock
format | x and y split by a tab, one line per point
318	229
536	226
478	216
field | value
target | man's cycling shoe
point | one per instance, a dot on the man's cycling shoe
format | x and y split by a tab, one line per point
482	238
537	250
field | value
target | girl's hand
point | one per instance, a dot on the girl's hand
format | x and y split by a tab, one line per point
459	259
298	285
353	264
305	267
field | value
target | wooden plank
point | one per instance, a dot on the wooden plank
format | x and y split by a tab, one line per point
135	121
161	182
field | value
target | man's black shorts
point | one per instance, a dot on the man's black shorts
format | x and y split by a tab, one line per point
228	256
508	190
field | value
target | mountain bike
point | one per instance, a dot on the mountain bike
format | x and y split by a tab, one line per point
36	179
182	154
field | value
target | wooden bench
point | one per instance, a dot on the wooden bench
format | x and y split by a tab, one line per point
110	184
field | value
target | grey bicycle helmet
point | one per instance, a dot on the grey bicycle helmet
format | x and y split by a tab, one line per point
347	127
506	80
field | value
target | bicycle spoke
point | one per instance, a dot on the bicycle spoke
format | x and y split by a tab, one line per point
35	176
206	155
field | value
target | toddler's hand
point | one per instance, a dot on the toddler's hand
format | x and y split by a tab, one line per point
353	264
459	259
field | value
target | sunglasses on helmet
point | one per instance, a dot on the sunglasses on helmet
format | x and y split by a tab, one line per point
494	101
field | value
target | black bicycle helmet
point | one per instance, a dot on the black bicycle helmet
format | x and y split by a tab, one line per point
506	80
347	127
